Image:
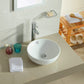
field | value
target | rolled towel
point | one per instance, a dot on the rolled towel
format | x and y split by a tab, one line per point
16	64
79	38
73	20
73	39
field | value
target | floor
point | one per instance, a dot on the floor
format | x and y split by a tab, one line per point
77	78
79	50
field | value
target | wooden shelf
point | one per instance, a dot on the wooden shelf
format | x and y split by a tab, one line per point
67	29
79	32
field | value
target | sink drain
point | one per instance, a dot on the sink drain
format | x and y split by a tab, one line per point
44	56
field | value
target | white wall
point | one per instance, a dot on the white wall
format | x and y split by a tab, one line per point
15	26
70	6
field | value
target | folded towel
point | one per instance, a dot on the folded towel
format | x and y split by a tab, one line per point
73	20
16	64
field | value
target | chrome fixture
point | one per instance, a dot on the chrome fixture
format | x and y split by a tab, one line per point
34	31
47	14
51	13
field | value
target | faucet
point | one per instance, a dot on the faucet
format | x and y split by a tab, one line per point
34	31
51	13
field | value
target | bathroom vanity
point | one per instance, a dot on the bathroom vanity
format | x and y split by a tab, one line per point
68	62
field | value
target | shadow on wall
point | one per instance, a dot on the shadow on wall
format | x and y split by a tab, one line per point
11	5
9	36
19	33
14	35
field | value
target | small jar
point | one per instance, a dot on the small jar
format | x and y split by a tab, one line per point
9	50
17	47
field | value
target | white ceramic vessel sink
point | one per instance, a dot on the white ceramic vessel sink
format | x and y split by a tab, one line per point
43	51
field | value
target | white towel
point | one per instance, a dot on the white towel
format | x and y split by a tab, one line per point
16	64
73	20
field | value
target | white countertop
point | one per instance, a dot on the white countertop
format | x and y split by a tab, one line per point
68	63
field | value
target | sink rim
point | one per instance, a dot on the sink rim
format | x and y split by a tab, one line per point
54	58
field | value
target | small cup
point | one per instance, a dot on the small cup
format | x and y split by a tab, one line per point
17	47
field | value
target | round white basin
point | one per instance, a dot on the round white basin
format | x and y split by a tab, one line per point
43	51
